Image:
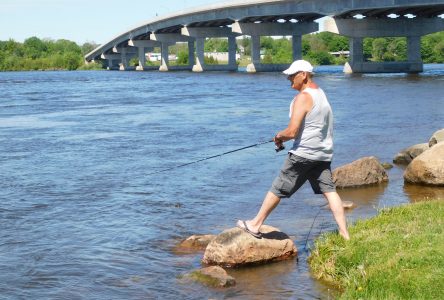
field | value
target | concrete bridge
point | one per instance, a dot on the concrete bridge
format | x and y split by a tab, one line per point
355	19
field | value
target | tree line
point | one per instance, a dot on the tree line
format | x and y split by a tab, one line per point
43	54
47	54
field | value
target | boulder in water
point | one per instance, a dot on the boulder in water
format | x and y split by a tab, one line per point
427	168
362	172
234	247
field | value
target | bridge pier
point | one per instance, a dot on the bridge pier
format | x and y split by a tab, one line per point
142	46
256	30
200	34
166	40
357	29
126	53
112	60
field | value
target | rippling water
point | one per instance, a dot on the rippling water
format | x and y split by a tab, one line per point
81	219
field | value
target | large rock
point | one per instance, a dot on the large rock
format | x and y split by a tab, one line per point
436	138
362	172
407	155
234	247
427	168
213	276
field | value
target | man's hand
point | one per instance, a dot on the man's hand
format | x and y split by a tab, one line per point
279	143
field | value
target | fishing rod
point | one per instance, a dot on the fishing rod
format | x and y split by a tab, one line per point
282	147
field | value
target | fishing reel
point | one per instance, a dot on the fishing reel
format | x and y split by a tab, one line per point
280	148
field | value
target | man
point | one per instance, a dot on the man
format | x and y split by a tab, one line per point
311	127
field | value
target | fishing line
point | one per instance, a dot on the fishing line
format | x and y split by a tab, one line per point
312	224
214	156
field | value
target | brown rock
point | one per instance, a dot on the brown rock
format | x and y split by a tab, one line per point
194	243
436	138
407	155
213	276
427	168
362	172
234	247
348	204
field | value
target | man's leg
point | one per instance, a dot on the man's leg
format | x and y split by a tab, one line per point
269	203
338	212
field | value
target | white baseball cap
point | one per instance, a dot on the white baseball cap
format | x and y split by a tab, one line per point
299	66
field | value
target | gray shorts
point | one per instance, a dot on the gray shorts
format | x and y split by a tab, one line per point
297	170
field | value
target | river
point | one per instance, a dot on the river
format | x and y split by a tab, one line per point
81	218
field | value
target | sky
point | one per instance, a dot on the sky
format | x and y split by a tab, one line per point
82	20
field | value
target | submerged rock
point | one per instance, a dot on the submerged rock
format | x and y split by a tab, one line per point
194	243
234	247
213	276
362	172
348	204
427	168
405	156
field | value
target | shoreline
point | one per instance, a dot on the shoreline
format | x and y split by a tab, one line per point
397	254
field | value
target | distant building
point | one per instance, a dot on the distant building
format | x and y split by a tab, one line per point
220	56
340	53
153	56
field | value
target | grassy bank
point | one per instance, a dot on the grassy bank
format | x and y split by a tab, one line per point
399	254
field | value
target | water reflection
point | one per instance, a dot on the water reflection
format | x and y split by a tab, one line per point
418	193
363	196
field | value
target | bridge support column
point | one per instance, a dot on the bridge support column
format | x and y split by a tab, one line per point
142	59
296	42
256	30
232	47
125	55
191	56
168	39
124	60
164	57
113	64
356	55
255	53
142	47
200	44
414	48
200	34
112	59
413	29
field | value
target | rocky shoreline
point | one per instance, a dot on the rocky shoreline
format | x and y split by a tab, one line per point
236	248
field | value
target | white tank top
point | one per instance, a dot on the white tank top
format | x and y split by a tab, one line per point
315	138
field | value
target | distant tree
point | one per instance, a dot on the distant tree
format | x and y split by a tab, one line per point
216	45
34	47
245	42
182	58
368	48
88	47
72	60
379	47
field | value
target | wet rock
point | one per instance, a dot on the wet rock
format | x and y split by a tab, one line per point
194	243
427	168
387	165
213	276
348	204
362	172
405	156
234	247
436	138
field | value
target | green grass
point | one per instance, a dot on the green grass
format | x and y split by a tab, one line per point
399	254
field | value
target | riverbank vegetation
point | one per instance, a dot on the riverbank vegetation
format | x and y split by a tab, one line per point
322	48
44	54
399	254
